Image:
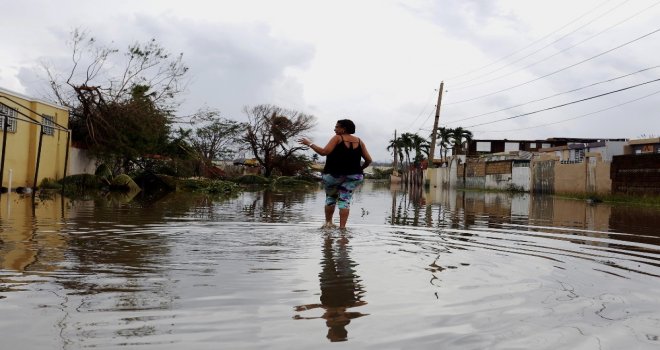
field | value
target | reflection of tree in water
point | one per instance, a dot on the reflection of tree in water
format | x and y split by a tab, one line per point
341	289
116	243
408	210
275	206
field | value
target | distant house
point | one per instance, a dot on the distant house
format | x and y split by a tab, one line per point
643	146
481	147
37	136
578	152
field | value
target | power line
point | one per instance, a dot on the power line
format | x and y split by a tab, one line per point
567	104
429	99
461	86
534	42
561	51
551	96
427	119
559	70
579	116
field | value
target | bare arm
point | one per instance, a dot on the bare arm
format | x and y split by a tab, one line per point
366	156
323	151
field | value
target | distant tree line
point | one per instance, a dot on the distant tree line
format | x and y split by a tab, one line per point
122	110
408	144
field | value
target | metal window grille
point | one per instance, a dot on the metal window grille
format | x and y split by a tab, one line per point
48	125
10	113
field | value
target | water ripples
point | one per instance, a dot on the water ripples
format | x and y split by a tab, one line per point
249	273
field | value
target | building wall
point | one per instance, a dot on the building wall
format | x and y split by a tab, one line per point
80	162
498	181
476	182
475	168
543	176
613	148
23	145
636	174
498	167
570	178
521	177
598	177
549	174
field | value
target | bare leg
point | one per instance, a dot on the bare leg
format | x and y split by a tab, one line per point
343	217
329	212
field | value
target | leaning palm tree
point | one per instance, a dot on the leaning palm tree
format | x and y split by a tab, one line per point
459	137
396	147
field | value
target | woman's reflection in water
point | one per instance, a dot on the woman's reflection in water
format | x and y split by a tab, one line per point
341	288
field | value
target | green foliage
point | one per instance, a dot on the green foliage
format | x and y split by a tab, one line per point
124	182
86	181
50	184
121	105
209	186
294	164
79	184
214	137
252	180
271	135
381	174
409	143
454	138
292	182
103	171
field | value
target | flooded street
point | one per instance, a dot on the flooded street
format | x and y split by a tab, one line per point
415	270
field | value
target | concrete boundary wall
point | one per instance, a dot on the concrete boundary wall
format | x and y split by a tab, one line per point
549	175
521	177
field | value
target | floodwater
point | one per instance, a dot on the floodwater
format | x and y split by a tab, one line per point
415	270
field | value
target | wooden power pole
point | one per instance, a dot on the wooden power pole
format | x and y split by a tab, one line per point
435	126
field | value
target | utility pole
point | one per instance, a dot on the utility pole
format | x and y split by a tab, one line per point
435	126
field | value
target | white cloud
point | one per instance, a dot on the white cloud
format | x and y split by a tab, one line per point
377	62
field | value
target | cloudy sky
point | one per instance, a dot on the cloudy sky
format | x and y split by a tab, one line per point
508	66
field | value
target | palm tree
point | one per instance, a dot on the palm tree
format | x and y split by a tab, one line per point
444	136
396	147
407	144
421	146
460	136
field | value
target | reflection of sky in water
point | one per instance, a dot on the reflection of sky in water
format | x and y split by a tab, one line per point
450	270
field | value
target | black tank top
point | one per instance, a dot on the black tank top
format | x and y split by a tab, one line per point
344	160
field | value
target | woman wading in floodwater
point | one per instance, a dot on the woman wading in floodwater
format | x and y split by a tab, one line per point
343	171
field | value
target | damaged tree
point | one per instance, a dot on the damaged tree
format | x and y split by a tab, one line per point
271	134
121	108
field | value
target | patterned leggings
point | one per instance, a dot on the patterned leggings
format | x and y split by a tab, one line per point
339	190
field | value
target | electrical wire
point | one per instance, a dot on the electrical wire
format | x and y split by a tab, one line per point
559	52
576	117
551	96
461	86
559	70
566	104
429	99
427	118
533	43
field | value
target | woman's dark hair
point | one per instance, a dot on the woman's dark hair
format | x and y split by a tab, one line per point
348	125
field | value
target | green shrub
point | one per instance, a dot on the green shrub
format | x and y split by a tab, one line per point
50	184
292	182
84	181
124	182
252	180
209	186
